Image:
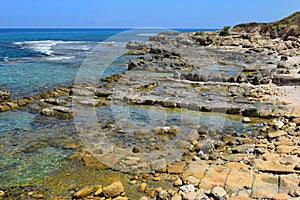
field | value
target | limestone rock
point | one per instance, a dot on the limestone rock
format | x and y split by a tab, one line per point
190	196
214	176
218	193
84	192
143	187
275	134
191	180
178	182
245	148
113	190
159	165
265	186
187	188
163	195
196	169
4	95
281	196
288	183
238	179
176	167
272	166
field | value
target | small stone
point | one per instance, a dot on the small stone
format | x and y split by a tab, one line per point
246	120
178	182
191	180
281	196
143	187
151	193
143	198
156	178
177	197
297	167
296	121
187	188
84	192
218	193
278	124
133	182
219	161
190	196
99	190
2	193
136	149
113	190
163	195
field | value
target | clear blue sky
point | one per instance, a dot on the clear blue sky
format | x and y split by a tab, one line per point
139	13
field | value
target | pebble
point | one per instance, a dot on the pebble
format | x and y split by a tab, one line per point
83	192
163	195
278	124
218	193
143	198
143	187
113	190
246	120
178	182
191	180
177	197
187	188
151	193
136	150
99	190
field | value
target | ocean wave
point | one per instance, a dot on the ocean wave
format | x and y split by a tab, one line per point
58	58
46	46
146	34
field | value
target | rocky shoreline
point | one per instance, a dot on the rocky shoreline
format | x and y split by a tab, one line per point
246	73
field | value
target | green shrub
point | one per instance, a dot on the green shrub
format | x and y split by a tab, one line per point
225	31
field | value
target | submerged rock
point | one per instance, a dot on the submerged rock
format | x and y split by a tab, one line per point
113	190
4	95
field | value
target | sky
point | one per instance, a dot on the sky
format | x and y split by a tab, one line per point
141	13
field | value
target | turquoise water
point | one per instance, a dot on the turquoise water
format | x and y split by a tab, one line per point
33	61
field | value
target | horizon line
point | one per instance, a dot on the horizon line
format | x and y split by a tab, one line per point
108	28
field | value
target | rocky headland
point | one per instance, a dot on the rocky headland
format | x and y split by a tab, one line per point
252	72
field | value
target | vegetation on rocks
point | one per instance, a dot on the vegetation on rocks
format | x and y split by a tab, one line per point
225	31
284	28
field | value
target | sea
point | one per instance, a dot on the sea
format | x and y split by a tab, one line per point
33	61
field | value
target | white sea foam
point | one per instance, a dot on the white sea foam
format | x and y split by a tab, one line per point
58	58
46	46
146	34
